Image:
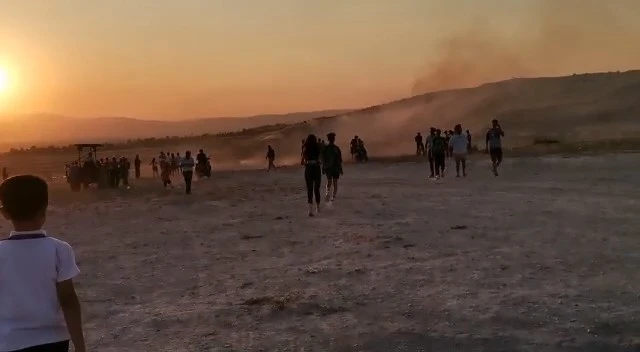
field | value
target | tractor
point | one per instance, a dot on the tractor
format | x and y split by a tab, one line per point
86	170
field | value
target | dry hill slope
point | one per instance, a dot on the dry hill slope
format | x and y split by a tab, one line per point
572	108
583	107
587	107
37	129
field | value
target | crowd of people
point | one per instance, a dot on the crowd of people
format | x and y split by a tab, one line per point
115	172
456	144
105	172
317	156
24	201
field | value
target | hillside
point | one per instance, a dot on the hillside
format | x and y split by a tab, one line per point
578	108
571	108
37	129
584	107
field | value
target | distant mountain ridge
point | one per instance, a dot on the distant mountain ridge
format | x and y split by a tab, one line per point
50	128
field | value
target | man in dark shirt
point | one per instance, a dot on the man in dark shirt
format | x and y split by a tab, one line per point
201	158
271	156
137	164
429	147
332	166
494	145
419	144
439	150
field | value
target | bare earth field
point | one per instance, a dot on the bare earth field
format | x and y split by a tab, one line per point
543	258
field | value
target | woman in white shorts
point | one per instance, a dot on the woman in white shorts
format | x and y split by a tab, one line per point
458	146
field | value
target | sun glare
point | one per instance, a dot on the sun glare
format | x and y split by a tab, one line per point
4	80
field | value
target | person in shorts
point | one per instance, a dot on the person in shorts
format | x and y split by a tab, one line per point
494	145
39	308
458	147
332	166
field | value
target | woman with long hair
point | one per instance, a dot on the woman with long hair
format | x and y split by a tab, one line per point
312	172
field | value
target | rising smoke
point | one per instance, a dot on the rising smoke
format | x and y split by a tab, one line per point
559	37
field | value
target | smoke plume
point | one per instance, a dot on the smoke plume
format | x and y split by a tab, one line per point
559	37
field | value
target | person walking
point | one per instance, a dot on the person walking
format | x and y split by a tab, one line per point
494	145
137	163
271	156
187	164
429	146
439	150
312	173
332	166
458	145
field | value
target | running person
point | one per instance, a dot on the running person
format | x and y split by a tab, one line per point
458	145
439	151
494	145
332	166
312	172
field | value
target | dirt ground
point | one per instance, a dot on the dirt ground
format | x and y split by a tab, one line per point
543	258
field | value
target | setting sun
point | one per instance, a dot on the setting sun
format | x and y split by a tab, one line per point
4	80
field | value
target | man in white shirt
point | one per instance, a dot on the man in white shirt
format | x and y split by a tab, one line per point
458	145
39	308
187	164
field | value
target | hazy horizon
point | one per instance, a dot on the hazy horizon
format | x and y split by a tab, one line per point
168	60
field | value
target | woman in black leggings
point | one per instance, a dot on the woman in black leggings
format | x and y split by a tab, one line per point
312	172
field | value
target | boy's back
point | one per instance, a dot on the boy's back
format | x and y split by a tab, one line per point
30	268
39	307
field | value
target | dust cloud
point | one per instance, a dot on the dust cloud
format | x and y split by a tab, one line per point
558	38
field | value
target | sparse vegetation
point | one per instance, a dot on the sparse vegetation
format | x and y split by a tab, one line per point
545	141
162	142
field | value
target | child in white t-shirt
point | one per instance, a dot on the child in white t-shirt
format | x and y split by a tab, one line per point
39	308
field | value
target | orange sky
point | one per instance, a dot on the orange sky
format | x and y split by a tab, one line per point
166	59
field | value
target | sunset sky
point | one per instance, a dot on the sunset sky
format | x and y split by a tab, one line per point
170	59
